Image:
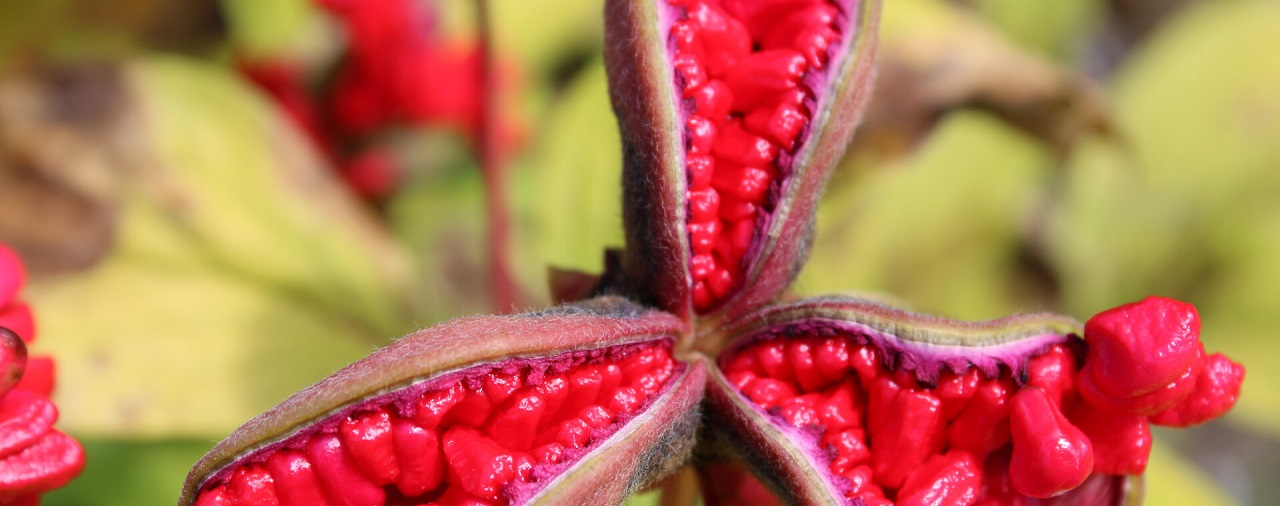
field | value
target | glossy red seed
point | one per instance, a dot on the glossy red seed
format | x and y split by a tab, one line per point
690	73
769	392
702	298
434	405
553	390
780	124
573	433
500	385
952	478
712	100
24	418
866	361
725	39
584	387
252	486
1216	389
368	440
814	43
48	463
784	30
911	432
955	390
477	464
16	316
550	453
740	379
1050	455
704	205
983	425
842	408
722	281
832	359
455	496
772	357
1147	404
733	209
802	411
515	423
757	77
861	480
473	410
596	416
1121	442
700	168
216	496
702	236
851	449
702	135
341	480
799	354
1139	348
625	400
740	237
295	480
880	399
1055	372
421	461
736	145
39	376
686	40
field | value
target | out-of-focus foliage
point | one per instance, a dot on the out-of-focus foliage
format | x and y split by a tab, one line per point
1019	155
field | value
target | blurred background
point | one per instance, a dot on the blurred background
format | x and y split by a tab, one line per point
221	202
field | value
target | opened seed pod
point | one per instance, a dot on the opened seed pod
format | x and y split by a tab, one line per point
582	404
733	114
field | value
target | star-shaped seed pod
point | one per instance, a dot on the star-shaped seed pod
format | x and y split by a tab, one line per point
733	113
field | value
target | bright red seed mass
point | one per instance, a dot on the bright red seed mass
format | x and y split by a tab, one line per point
740	67
462	441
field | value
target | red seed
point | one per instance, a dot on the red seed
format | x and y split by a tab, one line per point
550	453
814	43
368	440
295	480
421	461
1121	442
584	387
610	379
500	385
515	423
840	410
955	390
687	41
1147	404
24	418
983	425
725	39
704	205
1055	372
1216	390
690	73
832	359
596	416
625	400
574	433
700	168
757	77
702	135
736	145
702	236
781	123
341	480
851	449
1142	347
712	100
734	210
866	361
952	478
455	496
216	496
759	15
433	406
861	479
880	399
740	237
772	356
721	282
702	298
252	486
473	410
911	432
769	392
1050	456
39	376
802	411
16	316
481	467
784	30
554	390
800	356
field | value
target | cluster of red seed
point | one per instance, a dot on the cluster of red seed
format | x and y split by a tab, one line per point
34	457
396	71
463	443
740	67
970	439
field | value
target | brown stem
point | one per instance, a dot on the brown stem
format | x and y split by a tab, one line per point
504	292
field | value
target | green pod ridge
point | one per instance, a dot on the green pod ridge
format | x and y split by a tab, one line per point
456	352
656	266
